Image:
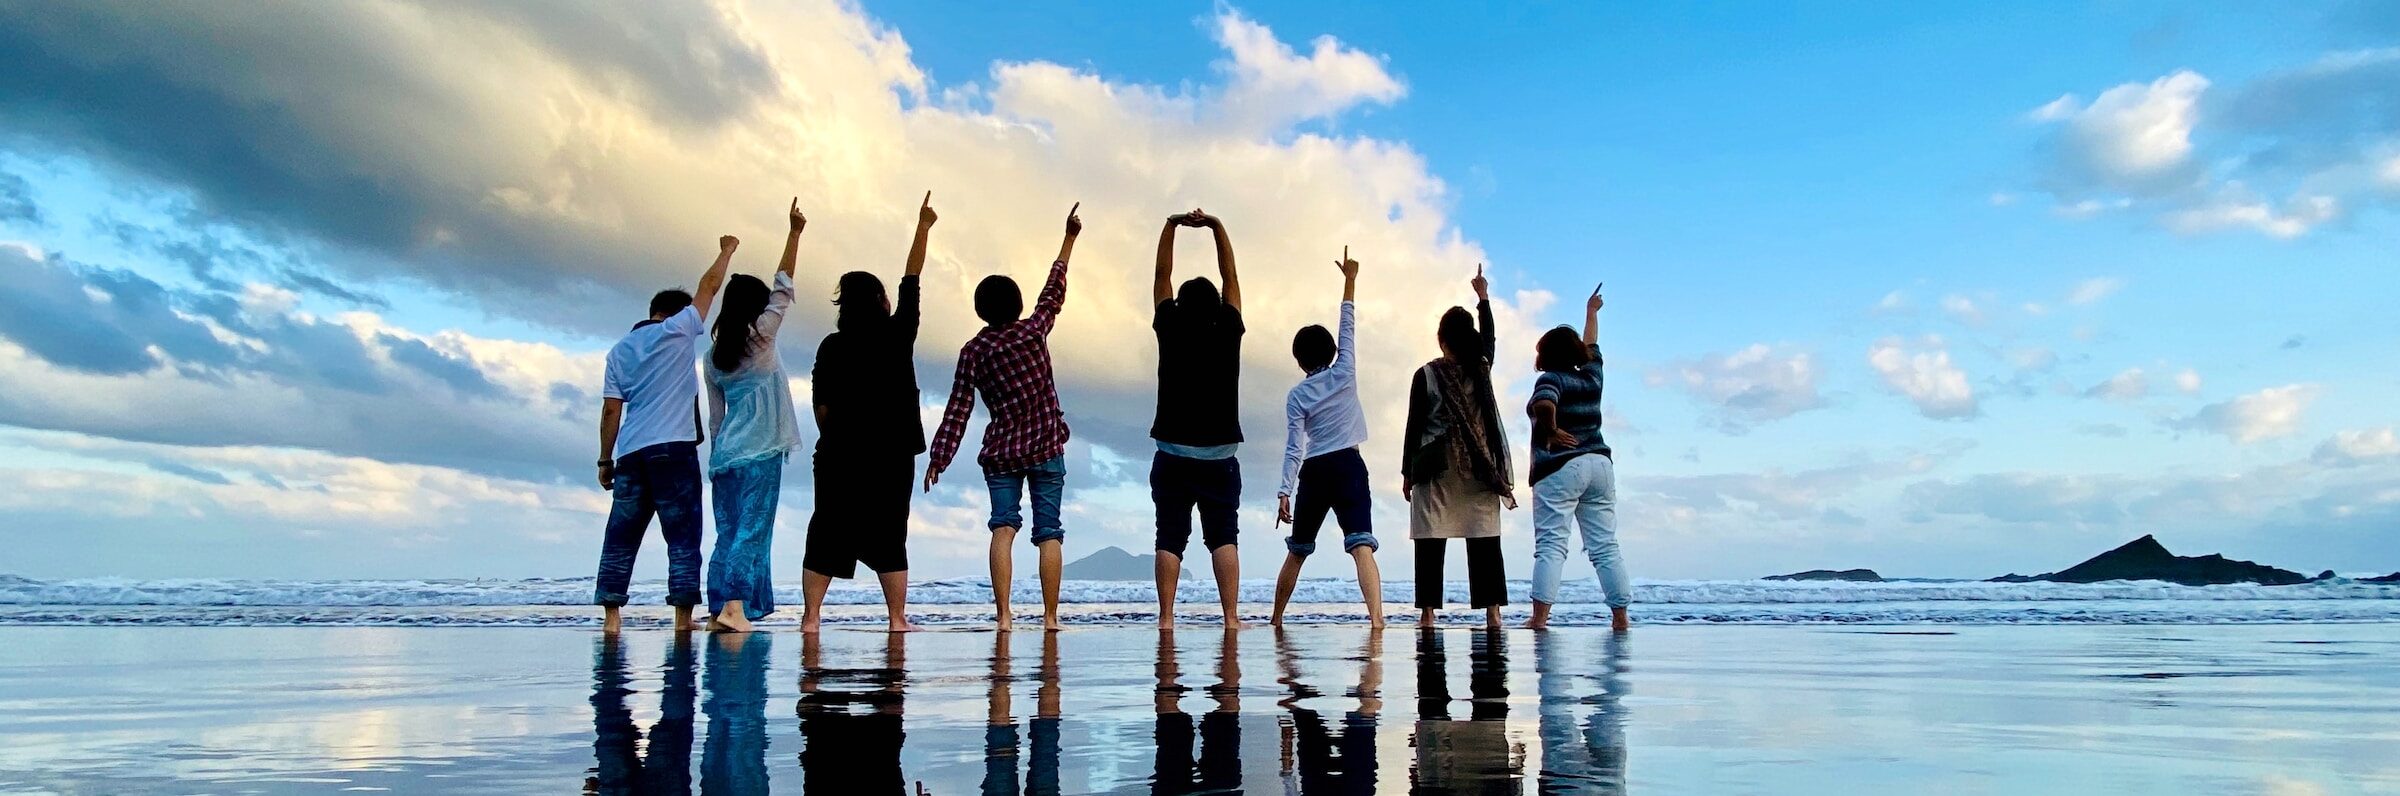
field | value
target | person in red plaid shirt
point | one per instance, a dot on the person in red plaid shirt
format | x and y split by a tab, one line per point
1026	440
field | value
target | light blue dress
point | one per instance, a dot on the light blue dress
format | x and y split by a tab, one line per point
756	428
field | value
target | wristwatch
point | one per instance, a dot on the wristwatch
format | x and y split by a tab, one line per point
608	462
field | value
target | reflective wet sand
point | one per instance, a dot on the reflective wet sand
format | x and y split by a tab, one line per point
1318	709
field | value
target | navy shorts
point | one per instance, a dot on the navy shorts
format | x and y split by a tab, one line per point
1180	485
1334	482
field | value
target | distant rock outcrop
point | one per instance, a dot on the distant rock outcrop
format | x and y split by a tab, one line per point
2391	578
1111	563
1855	575
2146	559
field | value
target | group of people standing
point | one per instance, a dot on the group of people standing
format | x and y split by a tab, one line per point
1455	467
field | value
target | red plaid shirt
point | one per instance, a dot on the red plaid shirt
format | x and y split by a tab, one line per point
1011	365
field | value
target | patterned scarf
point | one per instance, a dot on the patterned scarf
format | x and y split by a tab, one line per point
1466	408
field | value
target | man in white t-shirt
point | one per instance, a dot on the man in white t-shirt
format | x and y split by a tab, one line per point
649	442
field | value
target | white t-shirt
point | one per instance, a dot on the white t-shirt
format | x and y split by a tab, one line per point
652	371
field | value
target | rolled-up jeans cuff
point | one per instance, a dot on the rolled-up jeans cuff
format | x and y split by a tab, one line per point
1299	548
1041	535
684	599
1546	576
1354	541
610	599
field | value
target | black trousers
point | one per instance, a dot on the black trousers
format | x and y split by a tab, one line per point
1487	581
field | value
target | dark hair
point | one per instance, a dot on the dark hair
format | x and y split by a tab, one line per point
1313	346
1197	292
859	295
669	301
997	300
1458	334
745	299
1560	349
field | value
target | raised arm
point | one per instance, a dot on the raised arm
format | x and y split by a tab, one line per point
1231	290
1483	315
704	296
1591	318
1054	290
791	241
1162	283
1345	353
916	248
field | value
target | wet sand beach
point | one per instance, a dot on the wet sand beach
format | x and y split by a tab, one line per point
1317	709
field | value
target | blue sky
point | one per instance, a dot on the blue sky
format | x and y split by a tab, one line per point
1937	290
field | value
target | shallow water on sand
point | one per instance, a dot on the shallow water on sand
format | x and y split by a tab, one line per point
1318	709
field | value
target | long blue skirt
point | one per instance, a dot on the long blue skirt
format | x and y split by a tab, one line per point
745	496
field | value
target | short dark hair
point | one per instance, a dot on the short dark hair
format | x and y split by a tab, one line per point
1198	292
1560	349
858	296
997	300
669	301
1313	347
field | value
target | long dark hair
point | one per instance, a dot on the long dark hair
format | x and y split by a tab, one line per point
745	300
1457	333
858	297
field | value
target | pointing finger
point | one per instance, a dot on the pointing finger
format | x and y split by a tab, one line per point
1071	210
928	199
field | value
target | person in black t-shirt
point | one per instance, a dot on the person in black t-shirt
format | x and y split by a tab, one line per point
1198	427
865	391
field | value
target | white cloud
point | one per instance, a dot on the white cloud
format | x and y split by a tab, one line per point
1757	384
1923	372
2065	107
2135	138
2358	446
2091	291
2263	415
2128	385
2188	381
2234	210
1963	309
2391	172
1892	303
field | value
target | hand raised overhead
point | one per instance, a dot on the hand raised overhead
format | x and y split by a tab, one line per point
727	243
925	214
799	220
1074	222
1483	287
1593	304
1347	266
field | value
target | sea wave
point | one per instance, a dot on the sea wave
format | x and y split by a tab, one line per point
201	592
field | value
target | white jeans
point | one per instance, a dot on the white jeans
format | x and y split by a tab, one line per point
1584	491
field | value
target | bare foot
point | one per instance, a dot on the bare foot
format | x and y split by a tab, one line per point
730	623
1375	623
1276	621
1232	623
611	625
1537	624
902	626
809	624
1051	625
1425	621
1006	624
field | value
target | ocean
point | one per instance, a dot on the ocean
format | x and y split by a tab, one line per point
565	602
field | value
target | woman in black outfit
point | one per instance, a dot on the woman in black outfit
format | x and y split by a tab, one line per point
1454	461
868	438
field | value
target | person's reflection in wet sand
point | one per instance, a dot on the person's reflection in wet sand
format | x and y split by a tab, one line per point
1219	766
1583	734
1000	732
1474	755
735	760
616	742
1316	759
850	721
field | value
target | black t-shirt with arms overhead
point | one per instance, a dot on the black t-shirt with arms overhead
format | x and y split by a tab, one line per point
1199	374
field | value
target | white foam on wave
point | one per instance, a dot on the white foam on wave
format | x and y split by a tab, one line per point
977	591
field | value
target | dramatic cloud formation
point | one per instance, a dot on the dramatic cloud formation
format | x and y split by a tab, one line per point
1923	373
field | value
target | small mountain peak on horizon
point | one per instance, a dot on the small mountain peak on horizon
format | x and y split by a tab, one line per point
1115	563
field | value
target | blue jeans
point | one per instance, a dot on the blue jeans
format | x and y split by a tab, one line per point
1584	492
745	495
662	480
1049	480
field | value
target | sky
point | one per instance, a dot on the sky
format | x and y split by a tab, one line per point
323	290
